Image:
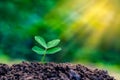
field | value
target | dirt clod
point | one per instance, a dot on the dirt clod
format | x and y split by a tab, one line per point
50	71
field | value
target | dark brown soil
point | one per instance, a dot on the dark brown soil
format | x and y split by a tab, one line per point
50	71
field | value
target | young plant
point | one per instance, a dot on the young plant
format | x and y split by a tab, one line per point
48	48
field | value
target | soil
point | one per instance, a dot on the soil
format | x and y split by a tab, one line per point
51	71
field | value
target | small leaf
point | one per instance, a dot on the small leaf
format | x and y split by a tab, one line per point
53	43
38	50
53	50
41	41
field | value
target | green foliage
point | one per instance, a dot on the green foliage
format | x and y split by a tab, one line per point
49	48
20	20
53	50
41	41
53	43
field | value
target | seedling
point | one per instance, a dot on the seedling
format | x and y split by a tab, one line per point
46	48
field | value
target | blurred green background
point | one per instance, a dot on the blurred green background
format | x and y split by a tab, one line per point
89	30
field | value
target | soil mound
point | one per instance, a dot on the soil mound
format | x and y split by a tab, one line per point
50	71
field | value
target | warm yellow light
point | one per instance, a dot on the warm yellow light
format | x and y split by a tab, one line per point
96	17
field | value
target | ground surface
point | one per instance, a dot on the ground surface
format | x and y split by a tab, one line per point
50	71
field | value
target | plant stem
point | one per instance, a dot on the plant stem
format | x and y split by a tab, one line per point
43	58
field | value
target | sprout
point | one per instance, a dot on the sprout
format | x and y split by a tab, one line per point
48	48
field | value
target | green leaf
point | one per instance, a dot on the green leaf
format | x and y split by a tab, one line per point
41	41
38	50
53	50
53	43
